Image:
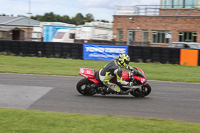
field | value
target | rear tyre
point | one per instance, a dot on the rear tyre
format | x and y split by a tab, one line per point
84	87
146	90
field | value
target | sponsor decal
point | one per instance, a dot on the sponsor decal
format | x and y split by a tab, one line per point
84	75
142	80
103	52
107	50
82	70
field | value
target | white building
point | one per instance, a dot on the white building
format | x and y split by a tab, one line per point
89	32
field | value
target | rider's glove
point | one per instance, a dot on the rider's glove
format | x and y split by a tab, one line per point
130	68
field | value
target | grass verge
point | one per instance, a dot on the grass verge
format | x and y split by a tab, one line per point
57	66
21	121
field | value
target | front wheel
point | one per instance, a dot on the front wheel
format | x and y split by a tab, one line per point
84	87
145	90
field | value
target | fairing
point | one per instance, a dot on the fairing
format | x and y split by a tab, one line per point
88	73
140	75
125	75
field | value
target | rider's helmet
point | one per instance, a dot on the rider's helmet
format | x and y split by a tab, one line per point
123	60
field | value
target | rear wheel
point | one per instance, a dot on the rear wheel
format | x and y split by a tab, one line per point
84	87
145	90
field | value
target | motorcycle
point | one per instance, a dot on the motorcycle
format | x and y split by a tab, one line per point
91	84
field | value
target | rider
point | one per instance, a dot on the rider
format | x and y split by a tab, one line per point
114	68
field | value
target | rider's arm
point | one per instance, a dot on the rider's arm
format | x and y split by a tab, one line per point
120	82
129	68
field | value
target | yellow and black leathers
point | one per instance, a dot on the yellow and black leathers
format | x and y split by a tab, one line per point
111	70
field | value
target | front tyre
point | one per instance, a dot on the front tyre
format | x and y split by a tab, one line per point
145	90
84	87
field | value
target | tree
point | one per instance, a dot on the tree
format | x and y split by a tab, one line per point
66	19
3	15
79	19
49	17
89	17
106	21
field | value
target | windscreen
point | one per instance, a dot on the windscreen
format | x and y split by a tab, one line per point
139	72
59	35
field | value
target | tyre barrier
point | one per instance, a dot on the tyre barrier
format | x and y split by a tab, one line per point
154	54
75	51
42	49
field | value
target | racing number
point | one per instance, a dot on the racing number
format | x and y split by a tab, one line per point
88	71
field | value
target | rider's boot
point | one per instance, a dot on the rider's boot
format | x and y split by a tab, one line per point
104	90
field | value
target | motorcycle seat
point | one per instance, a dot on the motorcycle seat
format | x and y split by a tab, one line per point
96	74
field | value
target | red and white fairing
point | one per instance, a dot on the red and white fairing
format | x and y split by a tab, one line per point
90	74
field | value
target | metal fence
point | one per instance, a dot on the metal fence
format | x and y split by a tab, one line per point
155	10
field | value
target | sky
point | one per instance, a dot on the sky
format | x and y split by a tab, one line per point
100	9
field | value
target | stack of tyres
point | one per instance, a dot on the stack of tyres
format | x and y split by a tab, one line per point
41	49
76	51
174	56
15	48
7	46
80	52
2	46
165	55
130	52
156	54
199	59
24	48
147	54
137	54
58	50
49	48
66	50
32	49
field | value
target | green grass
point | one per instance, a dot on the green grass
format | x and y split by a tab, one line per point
56	66
21	121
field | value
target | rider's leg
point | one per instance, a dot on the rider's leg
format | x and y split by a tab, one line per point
112	86
106	82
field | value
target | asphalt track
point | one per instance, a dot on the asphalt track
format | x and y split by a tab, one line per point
168	100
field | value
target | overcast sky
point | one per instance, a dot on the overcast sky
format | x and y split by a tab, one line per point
100	9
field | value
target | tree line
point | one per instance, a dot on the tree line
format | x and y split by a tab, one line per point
79	19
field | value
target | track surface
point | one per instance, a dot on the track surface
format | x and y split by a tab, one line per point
168	100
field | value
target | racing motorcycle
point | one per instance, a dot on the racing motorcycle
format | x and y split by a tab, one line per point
91	84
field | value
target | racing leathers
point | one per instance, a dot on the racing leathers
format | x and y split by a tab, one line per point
111	70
